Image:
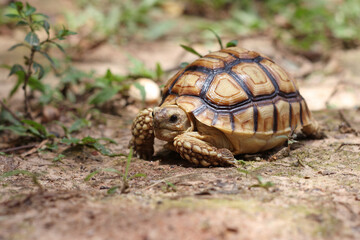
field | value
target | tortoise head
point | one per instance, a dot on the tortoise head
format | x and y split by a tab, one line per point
170	121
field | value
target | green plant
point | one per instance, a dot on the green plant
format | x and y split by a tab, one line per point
315	24
169	187
31	72
261	184
110	84
189	49
125	176
117	21
59	158
28	128
91	143
33	176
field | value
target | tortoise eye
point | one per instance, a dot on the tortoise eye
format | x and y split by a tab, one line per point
173	118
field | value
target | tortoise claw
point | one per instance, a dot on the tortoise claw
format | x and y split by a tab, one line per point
202	153
143	134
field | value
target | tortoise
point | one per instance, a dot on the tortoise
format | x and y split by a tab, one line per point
229	102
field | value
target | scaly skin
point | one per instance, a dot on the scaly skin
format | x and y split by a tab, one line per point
143	134
192	148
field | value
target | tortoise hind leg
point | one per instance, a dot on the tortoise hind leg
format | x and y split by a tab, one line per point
192	147
142	131
313	130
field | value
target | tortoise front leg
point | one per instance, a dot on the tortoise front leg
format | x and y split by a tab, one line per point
192	147
142	131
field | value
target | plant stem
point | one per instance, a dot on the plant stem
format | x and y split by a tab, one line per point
26	80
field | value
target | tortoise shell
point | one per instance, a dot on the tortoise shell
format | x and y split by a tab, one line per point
241	93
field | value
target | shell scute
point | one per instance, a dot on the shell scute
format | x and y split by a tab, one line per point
285	82
255	79
224	90
190	83
208	62
244	121
240	52
265	121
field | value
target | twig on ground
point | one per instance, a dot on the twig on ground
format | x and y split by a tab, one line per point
13	149
35	148
347	144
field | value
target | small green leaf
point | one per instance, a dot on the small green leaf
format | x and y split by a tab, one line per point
159	71
184	64
13	5
217	37
78	124
142	90
101	148
5	116
36	84
59	46
48	58
41	14
46	26
88	140
232	43
191	50
113	170
21	23
32	39
243	171
29	10
15	173
70	141
108	139
63	33
112	190
104	95
17	5
58	158
19	82
17	129
242	162
16	68
129	158
171	185
12	15
92	174
137	175
38	68
39	127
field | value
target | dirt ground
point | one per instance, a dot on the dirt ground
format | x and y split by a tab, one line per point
314	193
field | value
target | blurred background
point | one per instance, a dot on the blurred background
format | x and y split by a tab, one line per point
316	41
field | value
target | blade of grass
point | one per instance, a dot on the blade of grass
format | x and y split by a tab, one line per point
217	37
191	50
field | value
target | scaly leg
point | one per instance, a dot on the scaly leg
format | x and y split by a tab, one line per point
143	134
192	147
313	130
